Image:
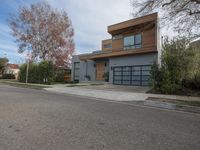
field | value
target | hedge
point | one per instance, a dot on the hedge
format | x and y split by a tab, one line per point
41	73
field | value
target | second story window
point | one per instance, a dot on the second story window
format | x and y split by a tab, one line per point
117	37
107	45
133	41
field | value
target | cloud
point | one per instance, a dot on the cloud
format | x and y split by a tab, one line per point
8	48
90	19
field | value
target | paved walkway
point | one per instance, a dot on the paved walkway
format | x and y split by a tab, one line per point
92	91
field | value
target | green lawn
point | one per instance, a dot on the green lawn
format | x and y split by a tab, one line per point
24	85
178	102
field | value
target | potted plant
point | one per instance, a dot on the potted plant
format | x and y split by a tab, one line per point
87	77
106	76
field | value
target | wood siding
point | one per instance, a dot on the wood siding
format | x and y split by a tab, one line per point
132	22
120	53
117	45
146	25
148	39
105	42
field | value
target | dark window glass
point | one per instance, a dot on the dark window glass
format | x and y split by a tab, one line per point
76	70
129	42
116	37
138	41
133	41
107	45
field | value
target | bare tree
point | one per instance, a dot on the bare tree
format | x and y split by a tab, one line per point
183	15
46	32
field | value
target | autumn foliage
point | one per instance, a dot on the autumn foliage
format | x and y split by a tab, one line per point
44	31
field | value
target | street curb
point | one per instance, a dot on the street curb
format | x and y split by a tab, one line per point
172	106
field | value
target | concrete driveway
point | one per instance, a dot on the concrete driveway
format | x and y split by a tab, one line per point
120	88
39	120
113	92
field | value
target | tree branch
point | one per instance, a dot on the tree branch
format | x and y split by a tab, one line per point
197	1
193	13
165	4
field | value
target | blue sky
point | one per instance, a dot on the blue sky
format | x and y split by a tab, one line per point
8	47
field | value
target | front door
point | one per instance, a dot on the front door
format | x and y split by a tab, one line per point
100	70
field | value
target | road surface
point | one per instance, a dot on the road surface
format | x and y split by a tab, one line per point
40	120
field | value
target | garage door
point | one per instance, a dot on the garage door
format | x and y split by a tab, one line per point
132	75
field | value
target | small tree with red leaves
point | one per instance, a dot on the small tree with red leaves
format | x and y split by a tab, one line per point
46	32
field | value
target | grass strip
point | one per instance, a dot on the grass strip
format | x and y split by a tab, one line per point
175	101
24	85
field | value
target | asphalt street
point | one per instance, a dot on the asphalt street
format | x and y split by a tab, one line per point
40	120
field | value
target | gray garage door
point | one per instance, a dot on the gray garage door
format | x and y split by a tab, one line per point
132	75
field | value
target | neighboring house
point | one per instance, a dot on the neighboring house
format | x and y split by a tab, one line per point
12	69
126	58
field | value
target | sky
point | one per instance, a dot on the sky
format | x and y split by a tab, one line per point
90	19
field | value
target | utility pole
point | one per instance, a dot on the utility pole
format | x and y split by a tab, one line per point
27	68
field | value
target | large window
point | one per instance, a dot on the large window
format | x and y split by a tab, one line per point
133	41
76	71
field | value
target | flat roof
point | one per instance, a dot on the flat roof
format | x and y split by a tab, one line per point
132	22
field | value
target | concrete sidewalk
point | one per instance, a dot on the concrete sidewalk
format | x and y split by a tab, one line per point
113	95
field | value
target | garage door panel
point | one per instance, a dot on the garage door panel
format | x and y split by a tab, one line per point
117	77
136	72
132	75
146	67
117	69
146	72
145	78
136	77
117	82
136	83
145	83
117	73
127	73
126	78
126	82
126	69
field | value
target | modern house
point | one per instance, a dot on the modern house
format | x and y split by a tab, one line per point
126	58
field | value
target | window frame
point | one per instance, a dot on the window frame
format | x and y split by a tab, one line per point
135	44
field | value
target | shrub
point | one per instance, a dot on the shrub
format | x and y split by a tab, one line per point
8	76
106	76
88	77
193	82
177	61
59	76
46	71
22	73
38	73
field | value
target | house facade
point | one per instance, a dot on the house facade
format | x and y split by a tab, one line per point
12	69
126	58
